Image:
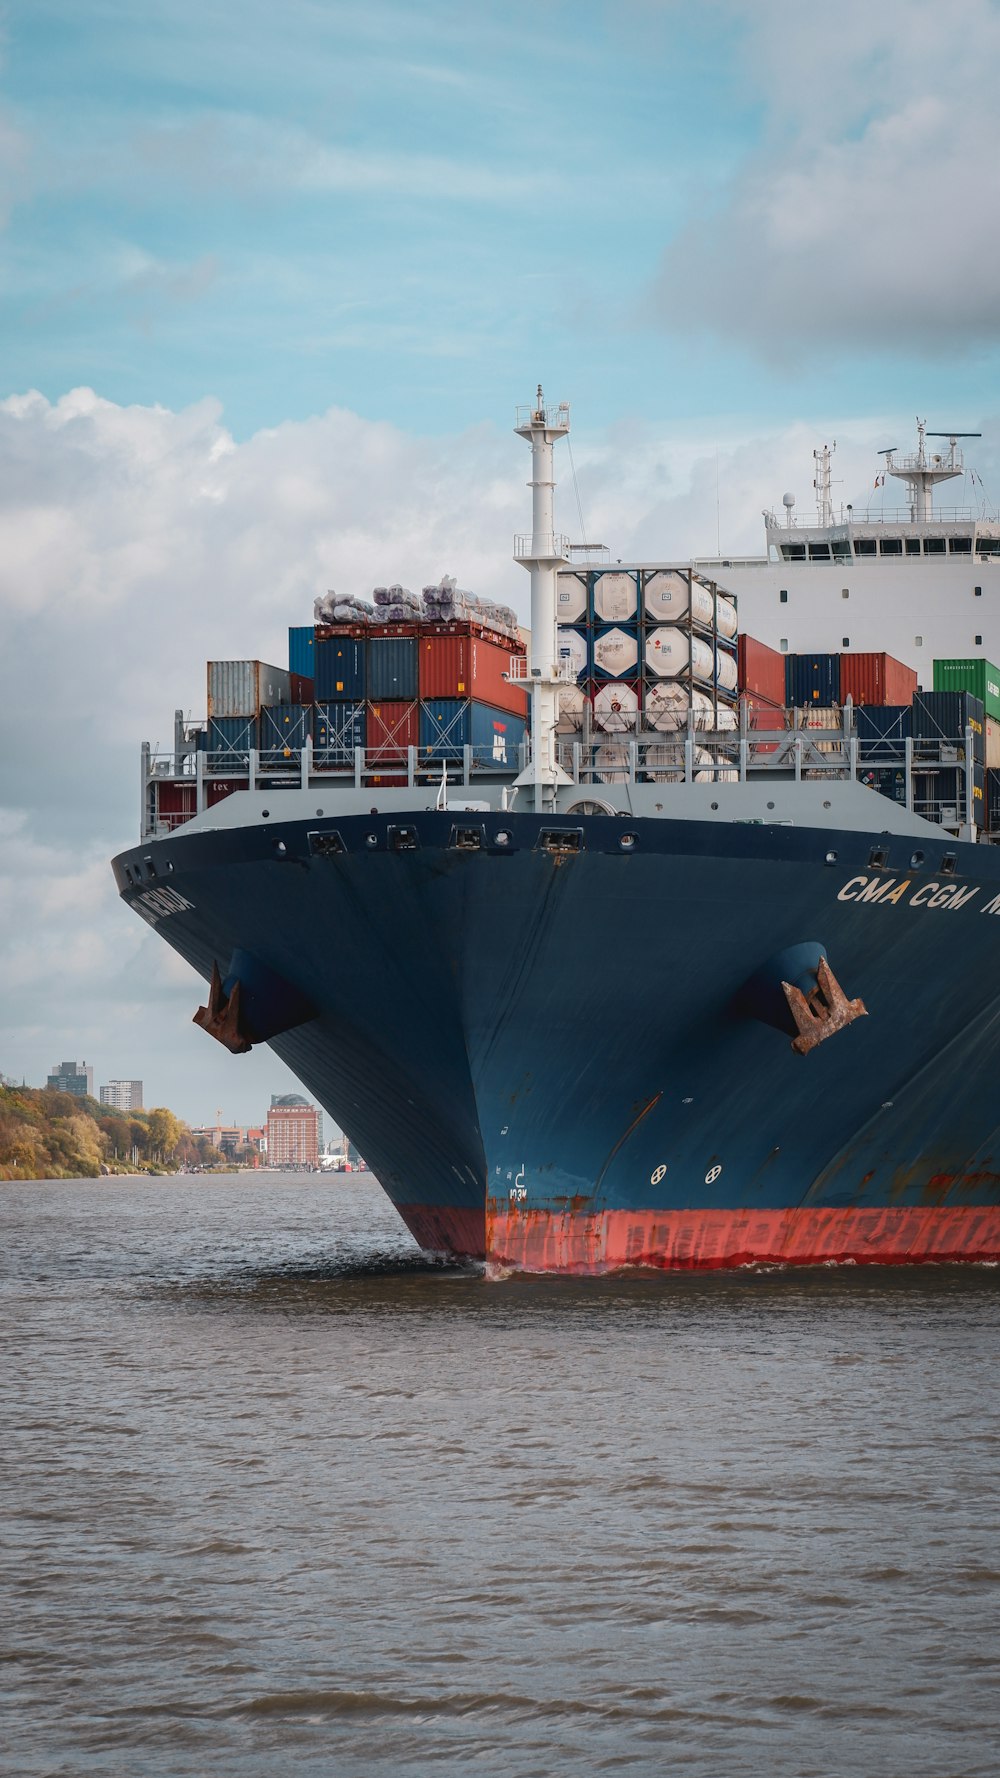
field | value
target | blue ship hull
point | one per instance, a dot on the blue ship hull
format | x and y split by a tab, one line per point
581	1060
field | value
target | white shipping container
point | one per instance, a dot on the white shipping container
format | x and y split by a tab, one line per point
571	599
670	651
992	743
612	762
616	597
616	652
667	705
243	688
672	593
572	647
616	709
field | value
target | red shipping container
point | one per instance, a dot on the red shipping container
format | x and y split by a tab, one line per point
303	689
761	713
389	730
175	799
217	789
760	669
462	663
876	679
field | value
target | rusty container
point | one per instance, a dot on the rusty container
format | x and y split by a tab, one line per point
876	679
761	670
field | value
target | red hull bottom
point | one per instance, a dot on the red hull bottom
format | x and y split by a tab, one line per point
690	1240
441	1229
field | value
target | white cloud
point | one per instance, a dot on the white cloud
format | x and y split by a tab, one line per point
865	214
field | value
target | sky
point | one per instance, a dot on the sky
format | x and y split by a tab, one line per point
272	280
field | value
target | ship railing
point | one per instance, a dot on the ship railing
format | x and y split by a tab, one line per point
874	515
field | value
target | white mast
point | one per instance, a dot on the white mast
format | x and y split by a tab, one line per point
922	473
541	554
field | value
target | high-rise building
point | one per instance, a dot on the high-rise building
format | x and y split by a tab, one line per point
72	1077
293	1132
123	1095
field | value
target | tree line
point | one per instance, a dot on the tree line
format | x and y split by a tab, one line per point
53	1135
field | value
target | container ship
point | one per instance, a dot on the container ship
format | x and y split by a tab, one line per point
643	942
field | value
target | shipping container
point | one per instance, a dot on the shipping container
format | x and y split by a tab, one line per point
391	728
338	728
392	669
675	595
302	649
760	669
812	679
449	725
616	597
615	653
616	708
941	795
992	742
284	729
231	739
340	668
889	781
303	689
217	789
992	800
979	677
459	662
242	688
876	679
883	731
572	706
175	800
941	718
571	598
762	713
671	651
573	645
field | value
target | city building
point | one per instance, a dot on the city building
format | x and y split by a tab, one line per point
123	1095
228	1137
72	1077
293	1132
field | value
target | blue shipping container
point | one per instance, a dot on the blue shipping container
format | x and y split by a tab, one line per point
392	669
230	739
883	730
942	717
302	650
448	725
340	668
812	679
337	729
284	728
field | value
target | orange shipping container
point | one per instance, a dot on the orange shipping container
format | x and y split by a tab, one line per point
463	664
876	679
390	729
761	713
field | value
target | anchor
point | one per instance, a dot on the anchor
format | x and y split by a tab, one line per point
823	1011
221	1017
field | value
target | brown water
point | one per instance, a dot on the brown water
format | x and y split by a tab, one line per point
279	1496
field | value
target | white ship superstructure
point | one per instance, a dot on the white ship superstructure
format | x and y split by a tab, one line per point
919	581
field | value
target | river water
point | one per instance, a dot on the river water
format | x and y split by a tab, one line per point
281	1496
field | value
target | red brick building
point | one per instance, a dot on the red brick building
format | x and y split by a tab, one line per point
293	1132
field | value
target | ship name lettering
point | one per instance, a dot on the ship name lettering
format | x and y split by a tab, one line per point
874	889
929	895
942	895
992	907
156	904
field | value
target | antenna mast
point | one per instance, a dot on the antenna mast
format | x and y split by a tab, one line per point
541	554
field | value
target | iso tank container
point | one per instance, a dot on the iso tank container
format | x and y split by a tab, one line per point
573	645
463	664
979	677
672	595
242	688
302	649
668	705
338	728
812	679
671	651
940	720
392	669
392	728
760	669
284	729
876	679
571	708
883	731
572	606
449	725
341	663
616	709
615	653
616	597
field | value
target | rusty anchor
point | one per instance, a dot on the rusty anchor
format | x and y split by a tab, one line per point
221	1017
822	1012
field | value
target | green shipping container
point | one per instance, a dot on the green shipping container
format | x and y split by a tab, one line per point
980	677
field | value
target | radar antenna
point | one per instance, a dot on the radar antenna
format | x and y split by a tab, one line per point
921	472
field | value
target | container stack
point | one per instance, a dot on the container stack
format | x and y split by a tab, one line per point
252	705
647	646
